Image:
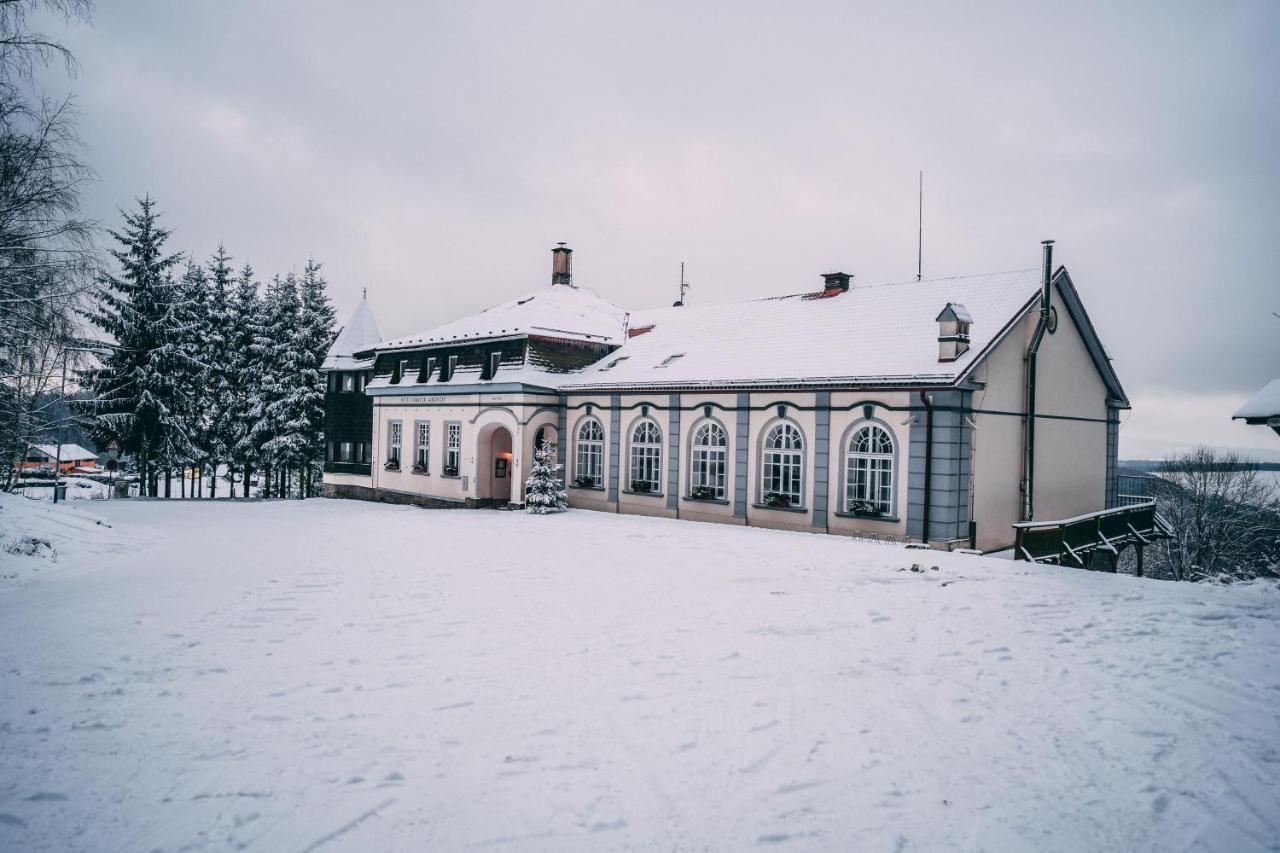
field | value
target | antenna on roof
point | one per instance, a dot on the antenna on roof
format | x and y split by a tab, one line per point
920	232
364	293
684	285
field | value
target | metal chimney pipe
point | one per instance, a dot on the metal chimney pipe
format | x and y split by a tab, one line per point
1044	280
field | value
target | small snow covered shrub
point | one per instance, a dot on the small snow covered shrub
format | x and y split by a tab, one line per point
865	508
702	493
643	487
30	546
776	499
544	490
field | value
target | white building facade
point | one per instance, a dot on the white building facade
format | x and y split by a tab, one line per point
895	410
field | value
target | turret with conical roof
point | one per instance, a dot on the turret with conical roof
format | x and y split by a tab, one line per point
358	335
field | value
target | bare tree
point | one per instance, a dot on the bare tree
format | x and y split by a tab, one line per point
1225	515
47	259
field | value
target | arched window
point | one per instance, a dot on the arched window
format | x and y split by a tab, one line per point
782	466
868	472
646	458
589	468
707	462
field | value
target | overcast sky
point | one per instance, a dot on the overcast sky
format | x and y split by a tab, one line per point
435	153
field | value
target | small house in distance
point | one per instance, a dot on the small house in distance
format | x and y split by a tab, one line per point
75	459
942	411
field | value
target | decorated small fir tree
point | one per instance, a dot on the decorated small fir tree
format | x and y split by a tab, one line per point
544	490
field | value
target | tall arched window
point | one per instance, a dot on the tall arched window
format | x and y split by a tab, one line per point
589	468
646	458
782	466
707	462
868	477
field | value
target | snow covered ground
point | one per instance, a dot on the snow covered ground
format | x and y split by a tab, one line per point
328	675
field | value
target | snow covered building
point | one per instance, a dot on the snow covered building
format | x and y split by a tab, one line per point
74	458
1263	407
897	409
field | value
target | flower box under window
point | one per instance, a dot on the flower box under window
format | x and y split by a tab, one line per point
777	499
642	487
865	509
450	471
419	468
702	493
584	481
392	465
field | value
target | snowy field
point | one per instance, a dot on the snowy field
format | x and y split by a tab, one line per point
340	676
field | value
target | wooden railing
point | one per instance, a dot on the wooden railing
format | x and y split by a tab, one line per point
1075	540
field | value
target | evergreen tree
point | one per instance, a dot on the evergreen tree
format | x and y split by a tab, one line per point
137	400
194	370
316	335
244	371
219	337
544	490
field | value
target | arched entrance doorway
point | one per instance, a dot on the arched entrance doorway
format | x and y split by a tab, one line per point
494	464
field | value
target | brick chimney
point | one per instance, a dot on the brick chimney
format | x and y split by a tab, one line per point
835	282
562	265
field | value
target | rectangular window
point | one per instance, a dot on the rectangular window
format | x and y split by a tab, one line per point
782	470
348	382
344	452
360	380
422	446
362	452
453	446
447	369
428	367
709	469
329	452
393	442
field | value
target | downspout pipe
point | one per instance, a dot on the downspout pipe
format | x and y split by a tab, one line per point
1033	349
927	401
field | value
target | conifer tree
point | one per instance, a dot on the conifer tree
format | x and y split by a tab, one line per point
136	396
544	490
218	341
243	375
194	370
316	335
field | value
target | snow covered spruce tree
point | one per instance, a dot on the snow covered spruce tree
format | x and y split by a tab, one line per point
217	342
244	368
137	397
315	336
544	490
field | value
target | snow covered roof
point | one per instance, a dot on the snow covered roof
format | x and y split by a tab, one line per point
1265	404
872	334
558	311
359	334
70	452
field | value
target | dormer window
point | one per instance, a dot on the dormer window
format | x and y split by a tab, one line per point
428	367
447	369
671	359
491	369
398	370
953	331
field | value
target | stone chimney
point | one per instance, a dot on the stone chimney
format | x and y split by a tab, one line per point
562	265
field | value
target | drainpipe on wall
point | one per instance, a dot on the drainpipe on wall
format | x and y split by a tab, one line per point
927	400
1029	428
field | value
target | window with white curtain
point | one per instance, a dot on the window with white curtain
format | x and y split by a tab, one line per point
394	432
589	460
868	479
646	458
782	466
422	446
707	461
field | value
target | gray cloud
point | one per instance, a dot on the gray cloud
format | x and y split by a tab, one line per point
435	152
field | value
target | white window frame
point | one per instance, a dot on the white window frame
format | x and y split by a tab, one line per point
422	445
646	456
709	460
782	462
452	448
589	452
395	437
870	470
